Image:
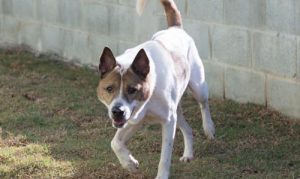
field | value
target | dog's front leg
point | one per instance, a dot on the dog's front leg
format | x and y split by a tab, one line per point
118	144
168	134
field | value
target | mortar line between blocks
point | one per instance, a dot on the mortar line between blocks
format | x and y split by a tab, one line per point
210	41
254	30
297	57
252	49
266	90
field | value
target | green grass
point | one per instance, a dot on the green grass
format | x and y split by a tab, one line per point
53	126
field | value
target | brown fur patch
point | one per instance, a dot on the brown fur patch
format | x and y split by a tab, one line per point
172	13
113	80
180	66
131	80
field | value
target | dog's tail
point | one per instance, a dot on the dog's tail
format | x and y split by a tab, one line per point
172	13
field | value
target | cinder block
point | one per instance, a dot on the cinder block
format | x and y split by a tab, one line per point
207	10
245	86
123	46
231	45
7	7
125	25
97	44
1	20
245	13
162	22
298	58
53	39
107	2
181	5
275	54
1	27
214	76
67	49
95	17
284	96
148	24
86	48
280	15
70	14
297	17
127	3
122	24
30	34
47	11
10	30
24	8
77	46
1	9
200	33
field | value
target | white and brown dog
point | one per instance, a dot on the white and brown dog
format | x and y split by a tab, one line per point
146	83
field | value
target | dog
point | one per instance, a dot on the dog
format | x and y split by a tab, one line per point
146	83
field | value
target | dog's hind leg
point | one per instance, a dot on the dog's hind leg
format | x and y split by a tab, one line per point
199	88
187	136
200	92
118	144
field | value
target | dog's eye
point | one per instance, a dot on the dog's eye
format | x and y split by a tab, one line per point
131	90
109	89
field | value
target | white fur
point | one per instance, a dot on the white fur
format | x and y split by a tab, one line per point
163	50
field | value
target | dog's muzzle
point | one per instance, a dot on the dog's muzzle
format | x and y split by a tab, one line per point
118	116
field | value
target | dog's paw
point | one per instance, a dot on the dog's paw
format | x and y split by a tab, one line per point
209	130
186	159
210	135
131	165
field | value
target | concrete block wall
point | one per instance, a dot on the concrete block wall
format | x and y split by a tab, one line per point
250	48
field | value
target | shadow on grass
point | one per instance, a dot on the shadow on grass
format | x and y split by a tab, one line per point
53	126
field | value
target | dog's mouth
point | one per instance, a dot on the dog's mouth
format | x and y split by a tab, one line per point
118	123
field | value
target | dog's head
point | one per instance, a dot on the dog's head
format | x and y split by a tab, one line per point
123	91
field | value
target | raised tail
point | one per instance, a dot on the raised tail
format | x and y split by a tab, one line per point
172	13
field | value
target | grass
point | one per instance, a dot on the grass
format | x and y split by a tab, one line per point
52	126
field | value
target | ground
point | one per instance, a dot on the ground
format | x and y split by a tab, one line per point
53	126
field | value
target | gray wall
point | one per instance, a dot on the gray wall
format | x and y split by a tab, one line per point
250	48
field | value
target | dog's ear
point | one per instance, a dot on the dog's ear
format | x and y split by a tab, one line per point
140	65
107	62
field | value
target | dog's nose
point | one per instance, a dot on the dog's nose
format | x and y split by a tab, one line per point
118	112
